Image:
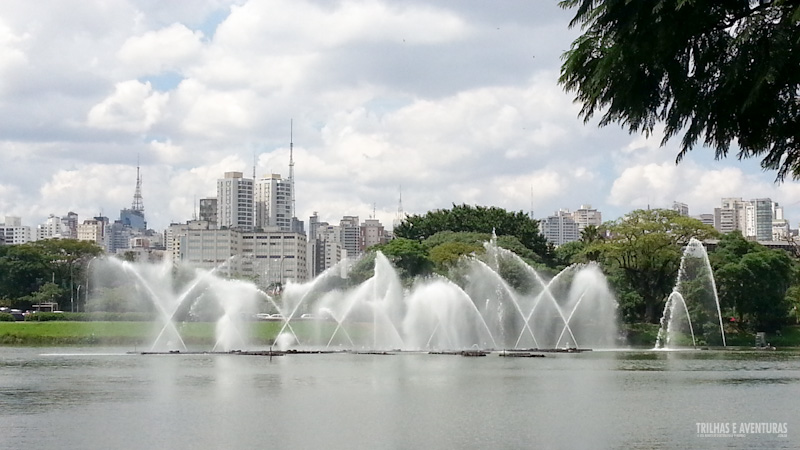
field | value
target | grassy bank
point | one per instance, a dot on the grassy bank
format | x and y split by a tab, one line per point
120	333
130	333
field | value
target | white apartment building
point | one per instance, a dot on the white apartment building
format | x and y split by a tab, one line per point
94	230
235	202
680	208
13	232
273	203
268	257
560	228
585	216
52	228
753	218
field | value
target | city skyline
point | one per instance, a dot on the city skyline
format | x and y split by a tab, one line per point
454	103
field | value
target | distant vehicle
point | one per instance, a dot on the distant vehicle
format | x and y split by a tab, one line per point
262	316
307	316
276	316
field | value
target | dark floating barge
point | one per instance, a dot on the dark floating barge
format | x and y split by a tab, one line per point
522	355
549	350
511	353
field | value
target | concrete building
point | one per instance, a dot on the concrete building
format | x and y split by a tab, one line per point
350	236
731	215
95	230
325	246
372	233
52	228
273	203
706	218
14	232
753	218
268	257
208	210
585	216
235	202
680	208
70	225
560	228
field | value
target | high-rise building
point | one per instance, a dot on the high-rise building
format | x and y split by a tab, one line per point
269	257
95	230
52	228
753	218
350	236
560	228
208	210
586	215
235	202
763	219
273	200
372	233
731	215
680	208
14	232
70	225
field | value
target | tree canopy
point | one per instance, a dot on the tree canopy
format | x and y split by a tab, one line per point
726	72
753	280
645	245
479	219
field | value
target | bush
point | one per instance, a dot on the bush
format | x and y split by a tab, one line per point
6	317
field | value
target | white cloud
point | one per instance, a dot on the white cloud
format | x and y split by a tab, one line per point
133	107
156	51
456	102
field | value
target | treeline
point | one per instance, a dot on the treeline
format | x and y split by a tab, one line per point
52	270
640	254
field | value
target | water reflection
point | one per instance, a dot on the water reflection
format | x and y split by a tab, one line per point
623	399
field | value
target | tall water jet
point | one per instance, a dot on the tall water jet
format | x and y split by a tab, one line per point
693	307
174	295
477	308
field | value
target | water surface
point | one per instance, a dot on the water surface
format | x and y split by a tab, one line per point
103	399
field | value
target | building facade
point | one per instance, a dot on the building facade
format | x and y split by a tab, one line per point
235	202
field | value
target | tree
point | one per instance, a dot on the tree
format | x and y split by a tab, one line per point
754	281
480	219
724	71
408	256
24	268
646	246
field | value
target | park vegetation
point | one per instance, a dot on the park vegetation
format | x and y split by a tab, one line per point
640	254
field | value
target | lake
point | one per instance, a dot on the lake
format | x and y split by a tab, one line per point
92	398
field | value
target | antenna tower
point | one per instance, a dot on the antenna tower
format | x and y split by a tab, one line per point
137	204
291	163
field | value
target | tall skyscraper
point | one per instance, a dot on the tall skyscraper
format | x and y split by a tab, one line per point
235	202
273	200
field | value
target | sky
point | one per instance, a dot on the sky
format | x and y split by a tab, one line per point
437	103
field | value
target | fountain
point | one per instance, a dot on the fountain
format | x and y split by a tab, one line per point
692	311
478	307
176	295
497	302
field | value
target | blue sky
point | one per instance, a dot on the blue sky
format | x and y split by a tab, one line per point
450	101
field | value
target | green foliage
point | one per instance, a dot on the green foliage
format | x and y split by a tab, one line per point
570	253
478	219
408	256
6	317
645	246
721	72
25	268
754	281
445	255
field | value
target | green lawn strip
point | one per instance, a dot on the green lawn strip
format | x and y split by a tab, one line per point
265	332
